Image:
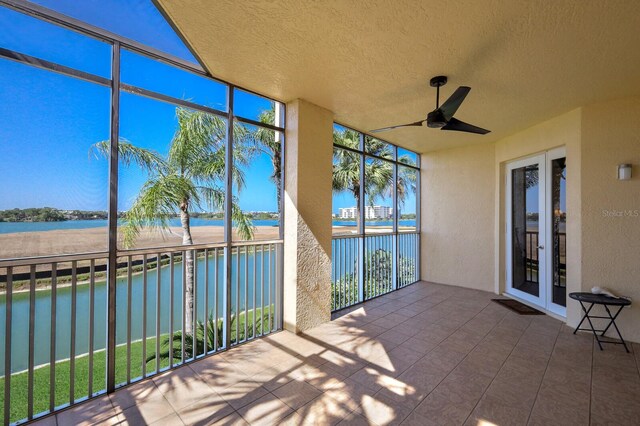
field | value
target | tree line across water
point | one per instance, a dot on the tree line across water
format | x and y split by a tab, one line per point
49	214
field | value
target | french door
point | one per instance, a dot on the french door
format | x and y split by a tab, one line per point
536	236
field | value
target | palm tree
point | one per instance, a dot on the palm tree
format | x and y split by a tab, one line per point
378	174
266	142
191	176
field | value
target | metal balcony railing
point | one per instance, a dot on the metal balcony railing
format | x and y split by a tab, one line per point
54	321
559	250
364	267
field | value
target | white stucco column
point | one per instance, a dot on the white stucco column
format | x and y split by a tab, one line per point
307	223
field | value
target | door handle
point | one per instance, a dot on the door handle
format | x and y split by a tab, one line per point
541	247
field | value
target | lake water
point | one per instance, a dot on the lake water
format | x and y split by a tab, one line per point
12	227
20	307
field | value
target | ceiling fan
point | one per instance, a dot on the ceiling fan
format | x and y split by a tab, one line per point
442	117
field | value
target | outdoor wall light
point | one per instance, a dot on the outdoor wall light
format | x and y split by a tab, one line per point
624	171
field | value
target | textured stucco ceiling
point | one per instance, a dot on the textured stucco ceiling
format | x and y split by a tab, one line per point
370	61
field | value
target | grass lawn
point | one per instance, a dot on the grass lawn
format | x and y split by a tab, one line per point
41	394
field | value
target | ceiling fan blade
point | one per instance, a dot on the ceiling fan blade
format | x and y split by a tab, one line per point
417	123
451	105
461	126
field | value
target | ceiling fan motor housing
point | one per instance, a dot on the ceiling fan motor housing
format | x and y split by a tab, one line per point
436	119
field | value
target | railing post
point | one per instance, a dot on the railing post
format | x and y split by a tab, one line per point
361	268
394	236
228	222
418	247
113	218
361	225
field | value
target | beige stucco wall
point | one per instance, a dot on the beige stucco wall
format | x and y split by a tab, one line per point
457	217
560	131
307	220
611	208
463	194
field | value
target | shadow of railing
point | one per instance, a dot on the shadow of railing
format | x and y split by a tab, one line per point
347	367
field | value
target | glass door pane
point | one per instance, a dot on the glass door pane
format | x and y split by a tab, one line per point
558	230
525	229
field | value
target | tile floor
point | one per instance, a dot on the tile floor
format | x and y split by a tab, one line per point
427	354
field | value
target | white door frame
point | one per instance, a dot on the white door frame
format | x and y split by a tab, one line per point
545	230
550	306
540	300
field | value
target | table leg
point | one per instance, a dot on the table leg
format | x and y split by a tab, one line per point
586	313
586	316
613	321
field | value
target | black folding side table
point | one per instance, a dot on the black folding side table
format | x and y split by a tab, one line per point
606	301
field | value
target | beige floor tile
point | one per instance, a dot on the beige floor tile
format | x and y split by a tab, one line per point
267	410
147	412
517	395
419	345
343	363
414	384
404	354
206	411
496	412
324	378
175	376
170	420
97	410
394	337
293	419
233	419
355	419
242	393
134	394
557	410
276	382
182	394
441	408
442	359
350	394
217	372
323	410
370	377
381	410
46	421
296	393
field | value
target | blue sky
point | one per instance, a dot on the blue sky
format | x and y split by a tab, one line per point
345	198
49	121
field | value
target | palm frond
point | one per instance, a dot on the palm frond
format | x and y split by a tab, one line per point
128	154
242	222
214	336
347	137
159	199
197	136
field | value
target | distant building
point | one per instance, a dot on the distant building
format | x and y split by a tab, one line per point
370	212
348	213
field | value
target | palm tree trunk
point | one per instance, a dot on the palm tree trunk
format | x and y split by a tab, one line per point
357	197
188	259
277	174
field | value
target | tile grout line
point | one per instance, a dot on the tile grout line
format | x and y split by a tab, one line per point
458	328
498	372
555	342
324	392
465	357
360	405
